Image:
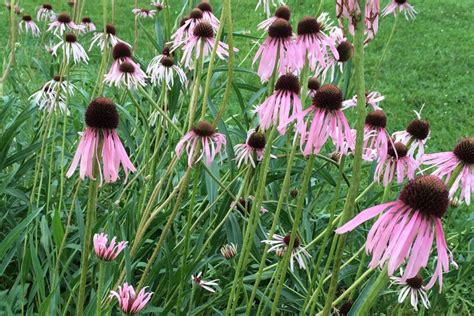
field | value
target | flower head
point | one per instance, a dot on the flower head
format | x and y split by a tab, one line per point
87	25
28	25
107	251
283	106
207	14
279	245
207	285
144	13
265	4
129	301
45	13
458	164
414	287
396	6
405	231
62	24
376	137
102	120
186	28
277	50
373	99
162	69
328	121
158	5
211	141
53	95
244	206
414	137
313	42
73	51
107	38
229	251
124	72
282	12
396	162
313	85
253	149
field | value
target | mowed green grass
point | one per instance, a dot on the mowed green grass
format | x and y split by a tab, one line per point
428	61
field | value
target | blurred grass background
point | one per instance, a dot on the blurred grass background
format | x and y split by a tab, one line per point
428	61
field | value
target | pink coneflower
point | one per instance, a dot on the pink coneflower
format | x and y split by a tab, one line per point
283	106
372	9
458	163
404	233
207	285
158	5
373	99
413	287
53	95
62	24
396	6
398	163
102	120
211	143
252	150
129	301
162	70
46	13
29	26
376	137
124	71
87	25
203	36
345	51
207	14
279	245
279	44
313	85
266	5
313	42
328	121
72	49
186	28
107	251
282	12
101	39
414	137
144	13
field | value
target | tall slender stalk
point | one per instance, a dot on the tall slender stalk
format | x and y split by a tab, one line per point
356	167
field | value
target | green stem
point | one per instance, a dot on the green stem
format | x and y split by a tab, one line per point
356	167
379	284
100	284
197	82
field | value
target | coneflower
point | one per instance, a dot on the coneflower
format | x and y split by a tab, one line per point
229	251
53	95
158	5
279	245
328	121
144	13
211	141
414	137
345	50
312	41
28	25
371	99
124	71
203	39
412	287
278	50
253	150
282	12
62	24
396	162
376	137
283	107
398	6
207	14
372	13
162	70
456	167
129	301
186	28
72	49
100	138
109	38
45	13
204	284
87	25
405	231
313	85
105	250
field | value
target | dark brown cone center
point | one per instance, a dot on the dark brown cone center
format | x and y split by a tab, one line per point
314	84
288	82
47	6
167	61
328	97
204	129
287	240
464	150
428	194
203	29
110	29
121	50
27	18
86	19
205	7
280	29
102	113
71	38
256	140
416	282
283	12
64	18
308	25
420	129
376	119
345	50
400	1
127	67
196	14
397	150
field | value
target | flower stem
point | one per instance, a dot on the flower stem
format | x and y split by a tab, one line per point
100	283
356	167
